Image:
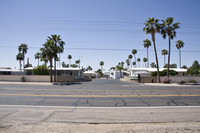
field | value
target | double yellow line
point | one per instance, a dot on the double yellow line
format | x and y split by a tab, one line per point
102	96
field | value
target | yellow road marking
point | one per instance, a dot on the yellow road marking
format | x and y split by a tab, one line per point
75	90
36	95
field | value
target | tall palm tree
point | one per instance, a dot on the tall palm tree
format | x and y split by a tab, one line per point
47	52
120	67
69	57
101	64
152	27
128	63
130	58
134	52
23	49
147	44
20	57
138	60
134	63
164	52
145	60
179	45
58	47
38	56
169	29
44	58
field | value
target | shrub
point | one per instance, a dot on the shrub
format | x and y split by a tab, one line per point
164	73
41	70
193	81
22	79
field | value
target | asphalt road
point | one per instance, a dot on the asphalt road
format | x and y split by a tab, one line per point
99	93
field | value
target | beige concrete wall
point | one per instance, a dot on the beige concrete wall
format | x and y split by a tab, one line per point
186	79
174	79
15	78
28	78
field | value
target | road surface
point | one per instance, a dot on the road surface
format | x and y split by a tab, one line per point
99	93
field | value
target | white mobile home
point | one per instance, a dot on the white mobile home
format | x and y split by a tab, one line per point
116	74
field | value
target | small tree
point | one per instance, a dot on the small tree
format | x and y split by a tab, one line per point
130	59
20	57
101	64
164	52
38	56
147	44
134	52
179	45
23	49
128	63
145	60
138	60
153	65
69	57
41	70
194	69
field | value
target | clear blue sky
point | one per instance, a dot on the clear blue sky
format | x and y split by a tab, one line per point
100	24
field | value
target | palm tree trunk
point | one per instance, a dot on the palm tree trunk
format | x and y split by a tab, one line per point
155	51
147	58
54	69
38	62
135	60
51	78
180	58
69	63
23	60
169	57
20	65
164	60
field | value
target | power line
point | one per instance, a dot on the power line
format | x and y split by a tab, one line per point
83	21
107	49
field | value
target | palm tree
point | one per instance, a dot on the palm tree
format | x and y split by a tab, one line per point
45	59
120	67
134	63
147	44
179	45
101	64
145	60
78	62
58	47
153	65
38	56
164	52
134	52
23	48
128	63
169	29
152	27
130	58
89	68
138	60
47	52
20	57
69	57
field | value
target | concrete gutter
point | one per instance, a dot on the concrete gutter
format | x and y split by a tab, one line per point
102	115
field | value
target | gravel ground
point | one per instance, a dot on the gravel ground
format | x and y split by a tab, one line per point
58	127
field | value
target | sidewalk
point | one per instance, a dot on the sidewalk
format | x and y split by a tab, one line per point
123	119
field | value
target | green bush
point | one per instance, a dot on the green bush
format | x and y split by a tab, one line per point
193	81
164	73
41	70
23	79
